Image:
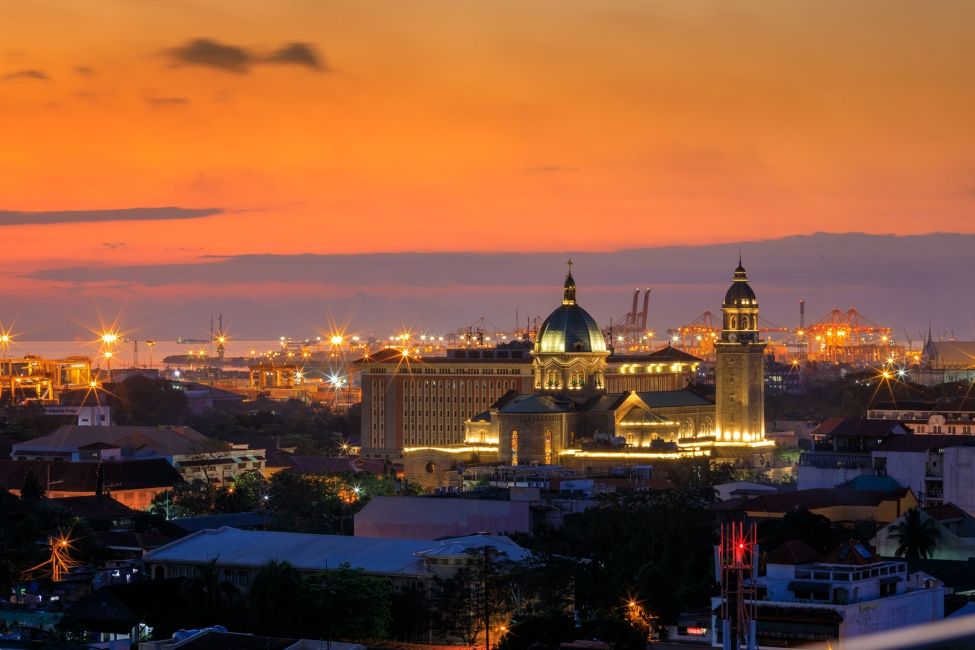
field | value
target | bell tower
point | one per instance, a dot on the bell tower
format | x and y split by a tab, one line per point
739	366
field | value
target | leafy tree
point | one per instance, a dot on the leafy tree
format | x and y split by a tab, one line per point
347	604
655	547
476	595
247	493
814	530
274	598
208	599
539	632
186	499
148	401
916	537
31	492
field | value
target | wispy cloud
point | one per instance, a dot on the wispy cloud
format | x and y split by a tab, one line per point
15	218
35	75
85	71
167	101
237	59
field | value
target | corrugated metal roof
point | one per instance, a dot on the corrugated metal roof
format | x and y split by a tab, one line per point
308	552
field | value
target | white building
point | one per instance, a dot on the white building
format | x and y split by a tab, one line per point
804	598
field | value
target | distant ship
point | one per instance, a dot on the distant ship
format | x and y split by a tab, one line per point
185	341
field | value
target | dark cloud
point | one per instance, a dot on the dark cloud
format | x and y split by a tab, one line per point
167	101
210	53
298	54
37	75
85	71
13	218
114	245
881	274
239	60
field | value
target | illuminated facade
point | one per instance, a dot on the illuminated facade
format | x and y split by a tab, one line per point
570	352
409	401
740	367
569	415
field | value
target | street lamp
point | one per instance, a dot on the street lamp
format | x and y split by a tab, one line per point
5	340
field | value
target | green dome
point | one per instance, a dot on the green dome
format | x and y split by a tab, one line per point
569	328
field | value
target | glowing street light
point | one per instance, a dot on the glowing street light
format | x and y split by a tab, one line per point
5	341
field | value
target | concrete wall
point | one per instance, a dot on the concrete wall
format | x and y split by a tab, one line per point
959	482
907	468
902	610
827	477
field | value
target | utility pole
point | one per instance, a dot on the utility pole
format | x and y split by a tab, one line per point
487	604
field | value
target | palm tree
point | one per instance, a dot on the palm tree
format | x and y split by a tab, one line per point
274	598
916	537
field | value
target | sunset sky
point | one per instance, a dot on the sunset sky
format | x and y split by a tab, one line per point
163	133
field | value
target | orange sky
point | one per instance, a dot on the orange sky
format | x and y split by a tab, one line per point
482	124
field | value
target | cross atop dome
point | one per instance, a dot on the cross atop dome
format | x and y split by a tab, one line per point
569	294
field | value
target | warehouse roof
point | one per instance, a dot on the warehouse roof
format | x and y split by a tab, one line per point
308	552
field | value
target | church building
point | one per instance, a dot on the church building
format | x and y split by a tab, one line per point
570	419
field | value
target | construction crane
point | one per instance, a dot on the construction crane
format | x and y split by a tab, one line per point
849	337
630	329
698	336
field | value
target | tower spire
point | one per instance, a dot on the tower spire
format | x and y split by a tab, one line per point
569	293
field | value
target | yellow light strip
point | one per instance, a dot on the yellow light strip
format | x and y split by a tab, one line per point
450	450
642	455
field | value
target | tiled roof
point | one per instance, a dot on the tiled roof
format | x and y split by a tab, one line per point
853	553
143	441
81	477
793	552
817	498
667	354
872	483
609	402
537	404
858	428
923	442
93	507
945	512
665	398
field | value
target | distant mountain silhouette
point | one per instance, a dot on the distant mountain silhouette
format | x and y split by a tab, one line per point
902	282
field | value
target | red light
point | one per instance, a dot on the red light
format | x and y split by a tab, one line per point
741	546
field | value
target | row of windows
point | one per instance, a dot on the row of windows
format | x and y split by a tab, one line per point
937	428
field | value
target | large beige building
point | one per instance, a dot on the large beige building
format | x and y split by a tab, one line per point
409	401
